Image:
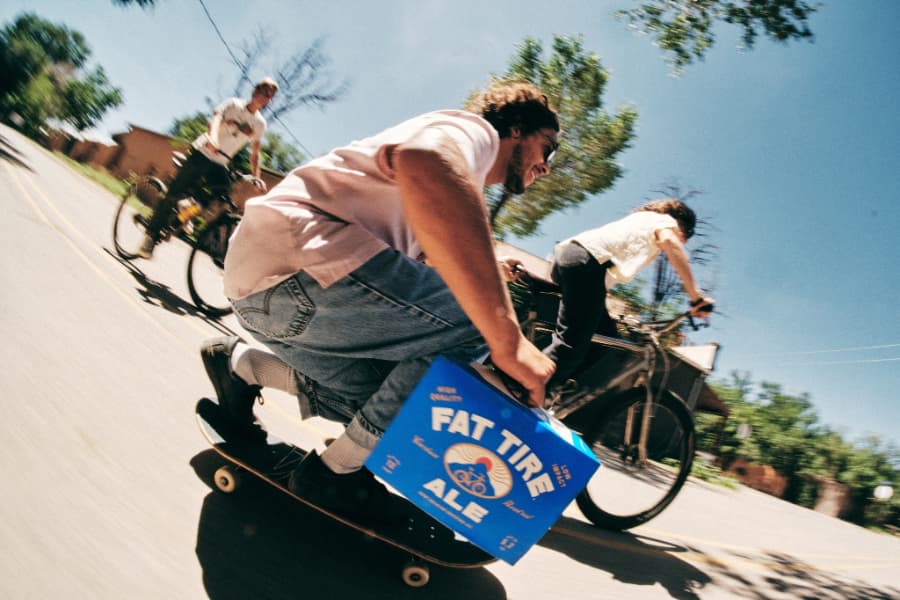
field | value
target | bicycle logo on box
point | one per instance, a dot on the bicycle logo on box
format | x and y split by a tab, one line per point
478	471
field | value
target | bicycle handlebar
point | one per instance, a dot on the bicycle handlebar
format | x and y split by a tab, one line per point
533	282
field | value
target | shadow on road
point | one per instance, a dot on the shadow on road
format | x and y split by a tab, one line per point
11	154
631	559
259	543
640	560
159	294
788	576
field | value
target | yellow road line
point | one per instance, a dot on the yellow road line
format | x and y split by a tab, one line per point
75	248
92	244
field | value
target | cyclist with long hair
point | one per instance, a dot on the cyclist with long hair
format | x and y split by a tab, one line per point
586	265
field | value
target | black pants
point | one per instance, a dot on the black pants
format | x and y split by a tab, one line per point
197	173
582	311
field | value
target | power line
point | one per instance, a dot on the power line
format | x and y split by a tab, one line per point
234	58
291	133
242	68
842	362
857	348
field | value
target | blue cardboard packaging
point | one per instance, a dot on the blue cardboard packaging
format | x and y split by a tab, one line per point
495	471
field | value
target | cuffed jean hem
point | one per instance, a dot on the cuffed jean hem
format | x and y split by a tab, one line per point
362	432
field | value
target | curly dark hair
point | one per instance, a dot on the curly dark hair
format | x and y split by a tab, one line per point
513	103
678	210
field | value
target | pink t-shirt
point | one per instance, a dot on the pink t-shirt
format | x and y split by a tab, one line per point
332	214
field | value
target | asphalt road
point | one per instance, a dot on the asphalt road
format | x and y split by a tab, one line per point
107	482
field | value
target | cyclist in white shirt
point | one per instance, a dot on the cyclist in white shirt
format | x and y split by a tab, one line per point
234	124
586	265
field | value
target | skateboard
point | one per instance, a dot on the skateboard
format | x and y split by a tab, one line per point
423	538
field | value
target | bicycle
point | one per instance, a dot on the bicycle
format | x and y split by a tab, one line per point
206	229
630	400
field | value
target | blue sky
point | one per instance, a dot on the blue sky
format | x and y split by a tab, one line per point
796	148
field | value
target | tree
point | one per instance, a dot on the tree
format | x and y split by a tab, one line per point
869	464
735	393
684	28
590	141
43	61
190	127
304	78
277	154
30	44
85	101
786	435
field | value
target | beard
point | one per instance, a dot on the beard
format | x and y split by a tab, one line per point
515	181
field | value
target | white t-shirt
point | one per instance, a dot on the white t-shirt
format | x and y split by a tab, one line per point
332	214
238	127
630	243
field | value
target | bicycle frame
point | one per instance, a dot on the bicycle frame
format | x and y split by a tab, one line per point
640	369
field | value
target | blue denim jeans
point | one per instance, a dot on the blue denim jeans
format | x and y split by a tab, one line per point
362	343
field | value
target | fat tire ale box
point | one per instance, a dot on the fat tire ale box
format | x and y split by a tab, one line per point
493	470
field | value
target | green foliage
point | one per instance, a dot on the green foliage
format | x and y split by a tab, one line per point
190	127
29	44
85	101
787	435
279	155
683	29
35	102
40	62
705	470
574	81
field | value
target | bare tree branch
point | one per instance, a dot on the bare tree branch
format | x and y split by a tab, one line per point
304	79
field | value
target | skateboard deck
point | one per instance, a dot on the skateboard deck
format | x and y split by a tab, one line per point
272	461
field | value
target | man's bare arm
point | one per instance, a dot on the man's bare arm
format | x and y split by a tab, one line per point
445	208
254	158
670	244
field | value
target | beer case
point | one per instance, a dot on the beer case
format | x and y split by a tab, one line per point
495	471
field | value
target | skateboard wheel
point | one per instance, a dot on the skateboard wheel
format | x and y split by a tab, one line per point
227	479
415	574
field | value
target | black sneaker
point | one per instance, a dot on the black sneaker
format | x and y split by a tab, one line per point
235	395
357	496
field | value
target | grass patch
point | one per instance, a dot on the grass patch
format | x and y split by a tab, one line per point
115	185
710	473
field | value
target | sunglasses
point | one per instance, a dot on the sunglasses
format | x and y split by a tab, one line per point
551	149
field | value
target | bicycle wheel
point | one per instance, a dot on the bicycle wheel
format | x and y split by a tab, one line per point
133	214
626	492
205	265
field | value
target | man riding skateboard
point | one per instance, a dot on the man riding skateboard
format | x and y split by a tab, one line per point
327	271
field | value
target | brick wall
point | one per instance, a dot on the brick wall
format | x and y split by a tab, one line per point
759	477
142	151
